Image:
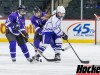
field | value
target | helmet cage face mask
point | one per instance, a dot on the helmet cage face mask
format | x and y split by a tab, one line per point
60	15
37	13
22	12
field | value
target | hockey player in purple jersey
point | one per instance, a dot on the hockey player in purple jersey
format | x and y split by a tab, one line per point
15	23
52	30
38	24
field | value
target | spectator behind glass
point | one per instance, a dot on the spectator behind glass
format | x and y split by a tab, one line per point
91	4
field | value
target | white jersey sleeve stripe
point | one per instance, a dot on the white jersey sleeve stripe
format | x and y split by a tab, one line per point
37	28
22	29
7	23
13	33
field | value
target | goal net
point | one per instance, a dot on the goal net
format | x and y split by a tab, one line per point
97	29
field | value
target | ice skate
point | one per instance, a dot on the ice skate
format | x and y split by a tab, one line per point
36	58
57	57
13	59
30	60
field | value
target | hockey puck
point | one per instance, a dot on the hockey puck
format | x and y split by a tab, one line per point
40	60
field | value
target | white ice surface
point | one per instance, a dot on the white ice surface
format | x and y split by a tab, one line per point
67	66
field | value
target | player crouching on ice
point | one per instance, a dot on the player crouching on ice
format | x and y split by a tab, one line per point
15	23
52	31
38	24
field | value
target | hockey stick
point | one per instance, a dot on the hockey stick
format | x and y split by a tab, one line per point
49	60
85	62
66	48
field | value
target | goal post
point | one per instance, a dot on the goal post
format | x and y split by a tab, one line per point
97	29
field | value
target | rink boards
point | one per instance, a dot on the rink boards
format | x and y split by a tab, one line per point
78	31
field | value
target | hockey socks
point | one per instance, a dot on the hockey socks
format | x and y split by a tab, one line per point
25	50
12	49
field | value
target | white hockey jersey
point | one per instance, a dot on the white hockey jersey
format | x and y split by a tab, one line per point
53	25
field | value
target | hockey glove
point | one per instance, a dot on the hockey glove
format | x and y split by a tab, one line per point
64	36
26	36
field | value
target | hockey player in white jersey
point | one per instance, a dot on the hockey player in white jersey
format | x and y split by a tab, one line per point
52	31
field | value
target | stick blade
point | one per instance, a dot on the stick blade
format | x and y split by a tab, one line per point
51	60
85	62
66	48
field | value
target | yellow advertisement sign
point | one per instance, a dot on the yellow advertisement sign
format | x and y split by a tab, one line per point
29	29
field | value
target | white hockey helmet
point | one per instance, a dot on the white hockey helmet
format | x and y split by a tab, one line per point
61	9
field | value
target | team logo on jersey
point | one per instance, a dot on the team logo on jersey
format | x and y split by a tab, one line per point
88	70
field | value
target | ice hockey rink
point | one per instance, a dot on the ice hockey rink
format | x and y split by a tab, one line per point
67	66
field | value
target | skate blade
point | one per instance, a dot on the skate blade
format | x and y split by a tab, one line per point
57	61
35	61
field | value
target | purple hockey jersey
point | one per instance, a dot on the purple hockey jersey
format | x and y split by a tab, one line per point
15	19
38	23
